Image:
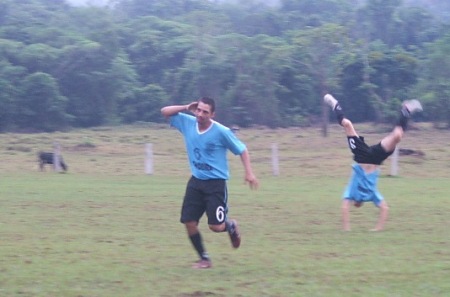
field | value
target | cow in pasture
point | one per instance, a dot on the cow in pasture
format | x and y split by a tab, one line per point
47	158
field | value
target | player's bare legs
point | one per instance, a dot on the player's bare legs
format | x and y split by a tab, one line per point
348	127
409	107
389	142
344	122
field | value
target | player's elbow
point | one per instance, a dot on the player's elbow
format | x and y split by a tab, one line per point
166	112
244	153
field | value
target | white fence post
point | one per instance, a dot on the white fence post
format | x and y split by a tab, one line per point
56	157
149	158
275	162
394	162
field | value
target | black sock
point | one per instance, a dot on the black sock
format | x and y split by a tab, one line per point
403	118
196	240
339	113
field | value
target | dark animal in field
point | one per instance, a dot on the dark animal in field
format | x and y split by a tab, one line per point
47	158
410	152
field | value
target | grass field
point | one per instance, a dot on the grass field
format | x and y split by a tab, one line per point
107	229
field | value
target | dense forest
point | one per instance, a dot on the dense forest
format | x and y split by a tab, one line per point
64	66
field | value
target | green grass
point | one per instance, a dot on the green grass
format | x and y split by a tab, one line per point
107	229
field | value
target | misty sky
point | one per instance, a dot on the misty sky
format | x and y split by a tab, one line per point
88	2
104	2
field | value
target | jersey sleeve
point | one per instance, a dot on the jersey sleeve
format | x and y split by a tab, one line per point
236	146
180	120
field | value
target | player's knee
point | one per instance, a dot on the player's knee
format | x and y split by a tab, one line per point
346	123
217	228
398	134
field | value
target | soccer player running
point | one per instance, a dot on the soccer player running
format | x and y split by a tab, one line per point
207	143
362	186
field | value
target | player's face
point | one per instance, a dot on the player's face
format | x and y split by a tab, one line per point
203	114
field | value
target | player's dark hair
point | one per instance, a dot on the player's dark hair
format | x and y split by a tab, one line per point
209	101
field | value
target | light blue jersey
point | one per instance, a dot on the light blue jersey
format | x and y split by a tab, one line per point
207	151
362	186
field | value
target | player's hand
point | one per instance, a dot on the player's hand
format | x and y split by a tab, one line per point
192	107
252	181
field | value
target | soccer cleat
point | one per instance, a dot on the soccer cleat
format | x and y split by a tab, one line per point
412	106
330	100
235	236
202	264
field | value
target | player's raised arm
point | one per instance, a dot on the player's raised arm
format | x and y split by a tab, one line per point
171	110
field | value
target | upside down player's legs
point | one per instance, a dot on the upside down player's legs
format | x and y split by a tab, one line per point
348	127
390	141
341	119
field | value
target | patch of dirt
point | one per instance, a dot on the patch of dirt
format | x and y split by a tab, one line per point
199	294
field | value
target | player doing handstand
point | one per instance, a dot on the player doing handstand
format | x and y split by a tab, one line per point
362	186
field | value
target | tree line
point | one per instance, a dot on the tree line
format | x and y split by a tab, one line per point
63	66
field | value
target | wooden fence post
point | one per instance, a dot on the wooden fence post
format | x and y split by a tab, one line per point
394	162
56	157
275	162
149	158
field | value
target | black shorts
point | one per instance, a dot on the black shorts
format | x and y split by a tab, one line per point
202	196
362	153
